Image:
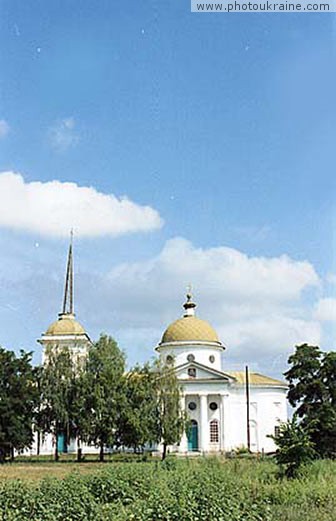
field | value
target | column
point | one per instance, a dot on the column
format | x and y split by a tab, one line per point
204	427
222	423
184	440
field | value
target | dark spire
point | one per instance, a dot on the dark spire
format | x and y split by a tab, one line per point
68	289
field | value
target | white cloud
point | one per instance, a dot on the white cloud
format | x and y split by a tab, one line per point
325	309
52	208
4	128
256	304
240	278
268	335
63	134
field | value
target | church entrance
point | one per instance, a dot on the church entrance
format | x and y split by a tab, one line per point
62	443
193	436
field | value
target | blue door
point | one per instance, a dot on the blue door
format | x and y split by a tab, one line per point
193	436
61	442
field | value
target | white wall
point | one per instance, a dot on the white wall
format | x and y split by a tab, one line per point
268	407
202	354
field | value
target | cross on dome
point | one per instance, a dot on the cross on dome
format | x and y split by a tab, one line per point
189	305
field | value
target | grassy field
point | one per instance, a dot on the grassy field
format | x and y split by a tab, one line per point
37	468
38	471
199	489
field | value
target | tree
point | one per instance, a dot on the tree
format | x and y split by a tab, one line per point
18	400
57	379
312	390
103	383
138	422
79	416
171	418
295	447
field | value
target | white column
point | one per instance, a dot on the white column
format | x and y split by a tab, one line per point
184	440
204	428
222	423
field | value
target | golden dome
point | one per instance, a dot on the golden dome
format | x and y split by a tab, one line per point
65	325
190	329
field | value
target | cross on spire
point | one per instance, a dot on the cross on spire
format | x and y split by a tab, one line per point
68	289
189	291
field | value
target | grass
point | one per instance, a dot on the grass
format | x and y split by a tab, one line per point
40	470
196	489
36	468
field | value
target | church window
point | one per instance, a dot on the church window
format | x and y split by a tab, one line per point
192	406
190	358
213	406
214	431
277	431
192	372
169	359
212	358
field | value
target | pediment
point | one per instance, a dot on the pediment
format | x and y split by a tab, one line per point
202	372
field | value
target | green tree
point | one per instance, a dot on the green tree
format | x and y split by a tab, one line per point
56	382
79	415
138	422
295	447
18	400
312	390
103	383
171	418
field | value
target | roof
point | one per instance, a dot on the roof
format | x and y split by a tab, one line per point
66	325
219	375
256	379
190	328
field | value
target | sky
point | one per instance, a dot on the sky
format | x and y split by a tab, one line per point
182	149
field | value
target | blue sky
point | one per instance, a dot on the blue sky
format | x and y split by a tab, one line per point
223	125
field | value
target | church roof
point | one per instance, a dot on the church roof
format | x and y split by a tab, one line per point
190	328
66	325
255	379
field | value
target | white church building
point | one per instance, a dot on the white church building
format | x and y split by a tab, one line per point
227	409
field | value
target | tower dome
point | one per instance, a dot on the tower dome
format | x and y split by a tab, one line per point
65	325
190	329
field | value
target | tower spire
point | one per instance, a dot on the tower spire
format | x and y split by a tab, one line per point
68	289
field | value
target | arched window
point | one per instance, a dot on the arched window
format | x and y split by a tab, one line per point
214	431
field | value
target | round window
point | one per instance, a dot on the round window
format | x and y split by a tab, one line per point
192	406
212	358
190	358
213	406
169	359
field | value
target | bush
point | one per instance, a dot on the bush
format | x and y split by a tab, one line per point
295	448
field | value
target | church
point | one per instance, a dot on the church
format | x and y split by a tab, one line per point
228	410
